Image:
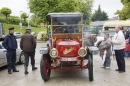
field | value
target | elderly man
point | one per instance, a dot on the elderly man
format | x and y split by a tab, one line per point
126	32
28	45
119	45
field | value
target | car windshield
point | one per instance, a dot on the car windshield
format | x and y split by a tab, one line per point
111	33
66	25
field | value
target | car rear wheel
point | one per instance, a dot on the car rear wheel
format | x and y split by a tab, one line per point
90	67
45	67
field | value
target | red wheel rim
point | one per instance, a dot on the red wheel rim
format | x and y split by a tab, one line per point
46	66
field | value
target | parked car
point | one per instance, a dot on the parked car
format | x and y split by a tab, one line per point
18	34
3	59
89	37
100	37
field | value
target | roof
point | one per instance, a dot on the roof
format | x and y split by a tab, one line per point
115	23
98	23
74	14
77	16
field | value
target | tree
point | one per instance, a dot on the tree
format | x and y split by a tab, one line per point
125	12
99	15
41	8
6	11
85	6
24	16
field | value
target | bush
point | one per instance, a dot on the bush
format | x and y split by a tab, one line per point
35	36
14	20
2	20
44	37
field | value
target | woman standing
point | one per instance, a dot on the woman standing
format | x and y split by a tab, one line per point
105	50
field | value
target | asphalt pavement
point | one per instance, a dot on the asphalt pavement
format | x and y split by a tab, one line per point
102	77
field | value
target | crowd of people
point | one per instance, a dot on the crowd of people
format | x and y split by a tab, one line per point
121	45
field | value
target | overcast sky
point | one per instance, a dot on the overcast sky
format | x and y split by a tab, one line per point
109	6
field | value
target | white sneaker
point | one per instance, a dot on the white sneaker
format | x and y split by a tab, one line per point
107	67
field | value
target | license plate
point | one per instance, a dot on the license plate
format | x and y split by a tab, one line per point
68	59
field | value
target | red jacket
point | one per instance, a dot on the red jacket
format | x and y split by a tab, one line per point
127	47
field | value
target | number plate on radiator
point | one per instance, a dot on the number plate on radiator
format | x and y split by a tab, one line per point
68	59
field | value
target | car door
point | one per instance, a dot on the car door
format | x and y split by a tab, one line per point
2	55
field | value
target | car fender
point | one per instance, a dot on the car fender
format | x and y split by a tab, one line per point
99	43
44	50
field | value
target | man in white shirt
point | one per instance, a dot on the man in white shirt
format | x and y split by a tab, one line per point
119	45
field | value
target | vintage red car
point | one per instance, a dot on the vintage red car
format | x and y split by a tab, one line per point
65	49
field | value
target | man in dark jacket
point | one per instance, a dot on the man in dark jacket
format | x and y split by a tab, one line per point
10	44
28	45
126	32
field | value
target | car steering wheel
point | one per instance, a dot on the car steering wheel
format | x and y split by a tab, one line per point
59	30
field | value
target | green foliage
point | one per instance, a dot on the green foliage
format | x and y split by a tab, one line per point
85	6
125	12
1	14
35	36
99	15
24	16
44	37
17	28
41	8
13	20
2	20
35	20
6	11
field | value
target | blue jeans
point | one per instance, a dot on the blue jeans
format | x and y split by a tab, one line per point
126	54
107	62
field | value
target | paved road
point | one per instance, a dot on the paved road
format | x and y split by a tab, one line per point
102	77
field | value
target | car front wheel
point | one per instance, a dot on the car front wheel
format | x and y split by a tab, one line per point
45	67
90	67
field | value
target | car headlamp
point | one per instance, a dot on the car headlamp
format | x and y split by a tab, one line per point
82	52
53	53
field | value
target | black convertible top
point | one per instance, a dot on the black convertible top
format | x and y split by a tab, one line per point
65	15
76	14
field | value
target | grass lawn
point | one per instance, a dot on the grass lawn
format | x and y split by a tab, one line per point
17	28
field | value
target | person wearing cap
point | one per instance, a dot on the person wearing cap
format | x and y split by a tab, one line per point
10	44
28	45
